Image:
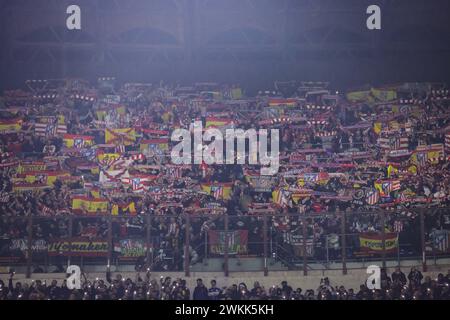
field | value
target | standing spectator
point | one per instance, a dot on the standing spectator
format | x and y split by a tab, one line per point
415	277
385	279
200	291
398	277
214	292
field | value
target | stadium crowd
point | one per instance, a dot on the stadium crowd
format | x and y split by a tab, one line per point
68	148
397	286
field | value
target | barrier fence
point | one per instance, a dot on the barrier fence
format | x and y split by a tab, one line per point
182	242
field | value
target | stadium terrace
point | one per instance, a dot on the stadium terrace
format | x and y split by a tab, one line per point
213	153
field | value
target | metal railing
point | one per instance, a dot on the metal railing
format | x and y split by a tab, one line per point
247	237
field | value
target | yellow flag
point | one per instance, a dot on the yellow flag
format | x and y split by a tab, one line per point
123	136
377	127
358	96
128	209
391	169
90	205
384	95
433	157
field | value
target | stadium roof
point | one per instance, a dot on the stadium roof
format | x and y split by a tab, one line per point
234	41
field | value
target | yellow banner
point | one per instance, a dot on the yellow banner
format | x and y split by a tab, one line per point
44	177
373	242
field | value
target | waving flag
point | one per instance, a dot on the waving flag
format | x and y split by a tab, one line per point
158	146
212	122
428	154
382	189
311	177
49	129
377	126
78	141
126	209
124	136
90	205
114	108
391	170
384	94
139	182
398	226
105	159
280	197
387	186
419	158
394	145
44	177
10	125
447	141
136	184
218	190
372	197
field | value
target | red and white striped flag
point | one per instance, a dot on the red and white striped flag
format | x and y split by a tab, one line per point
157	195
447	141
136	184
217	192
49	129
120	148
372	197
393	143
398	226
401	143
395	185
46	211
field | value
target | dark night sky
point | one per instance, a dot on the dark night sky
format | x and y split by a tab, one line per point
250	42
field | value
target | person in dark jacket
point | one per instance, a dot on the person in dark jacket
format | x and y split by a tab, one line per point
398	277
16	292
385	279
200	291
415	277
